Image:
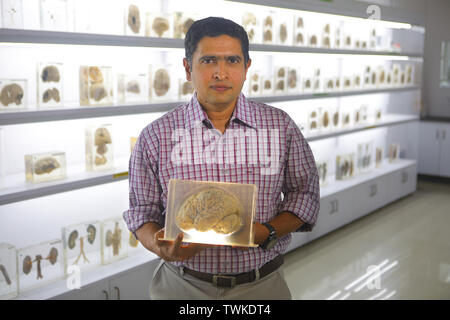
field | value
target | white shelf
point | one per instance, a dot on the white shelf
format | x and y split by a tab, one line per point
77	112
57	37
388	120
386	168
89	277
14	188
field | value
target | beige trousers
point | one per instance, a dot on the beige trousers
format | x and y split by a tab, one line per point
170	284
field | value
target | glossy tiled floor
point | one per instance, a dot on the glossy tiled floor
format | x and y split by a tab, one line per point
399	252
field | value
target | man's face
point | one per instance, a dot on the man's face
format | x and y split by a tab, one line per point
218	71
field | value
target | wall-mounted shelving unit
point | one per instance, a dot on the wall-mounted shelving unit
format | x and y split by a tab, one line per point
14	189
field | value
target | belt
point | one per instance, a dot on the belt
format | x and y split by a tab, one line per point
231	280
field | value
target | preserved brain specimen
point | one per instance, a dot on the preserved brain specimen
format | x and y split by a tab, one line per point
46	165
211	209
53	256
50	94
102	138
134	20
267	85
11	93
97	92
133	86
160	25
50	74
95	74
187	88
161	83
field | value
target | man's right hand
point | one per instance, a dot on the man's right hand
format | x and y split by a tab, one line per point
150	235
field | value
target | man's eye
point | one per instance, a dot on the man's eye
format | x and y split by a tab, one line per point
207	60
233	60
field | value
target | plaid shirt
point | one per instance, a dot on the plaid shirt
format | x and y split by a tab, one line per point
287	182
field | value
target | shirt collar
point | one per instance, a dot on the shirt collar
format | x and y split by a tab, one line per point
242	113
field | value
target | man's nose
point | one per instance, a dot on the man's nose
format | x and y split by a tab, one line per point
220	72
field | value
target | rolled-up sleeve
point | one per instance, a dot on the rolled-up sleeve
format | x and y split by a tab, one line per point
144	186
301	181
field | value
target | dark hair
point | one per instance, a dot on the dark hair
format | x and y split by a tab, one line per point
214	27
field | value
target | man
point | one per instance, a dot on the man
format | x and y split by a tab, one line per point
217	62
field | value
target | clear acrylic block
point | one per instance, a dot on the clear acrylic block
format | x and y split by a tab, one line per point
96	85
365	156
114	240
268	36
159	25
268	85
186	89
211	212
8	271
40	264
50	84
82	245
294	80
132	88
252	25
345	166
182	22
255	83
162	83
322	169
12	14
54	15
281	75
99	147
13	94
394	152
48	166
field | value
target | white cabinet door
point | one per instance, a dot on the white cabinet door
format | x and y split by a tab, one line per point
298	239
369	196
134	284
429	147
409	179
95	291
335	211
444	163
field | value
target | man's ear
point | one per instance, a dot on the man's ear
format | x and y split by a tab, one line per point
249	63
187	68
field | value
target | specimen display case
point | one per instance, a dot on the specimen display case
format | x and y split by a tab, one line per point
364	154
182	22
114	240
39	264
345	166
54	15
8	271
82	245
163	84
252	25
12	14
159	25
322	169
211	212
255	86
394	152
185	89
96	85
46	166
50	84
13	94
134	21
99	147
132	88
